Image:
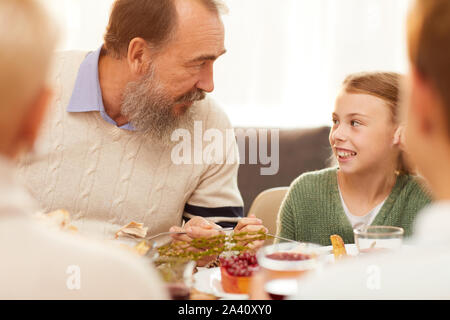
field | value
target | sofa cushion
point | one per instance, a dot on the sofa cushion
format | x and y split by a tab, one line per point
300	150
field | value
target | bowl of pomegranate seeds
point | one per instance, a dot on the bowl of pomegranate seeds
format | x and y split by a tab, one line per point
236	272
289	259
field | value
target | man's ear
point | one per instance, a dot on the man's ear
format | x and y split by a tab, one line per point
398	136
138	56
422	101
33	118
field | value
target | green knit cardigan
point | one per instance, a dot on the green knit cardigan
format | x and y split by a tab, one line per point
312	209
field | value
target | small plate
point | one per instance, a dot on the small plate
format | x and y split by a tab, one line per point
352	250
209	281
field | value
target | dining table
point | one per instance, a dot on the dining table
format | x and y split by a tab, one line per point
206	282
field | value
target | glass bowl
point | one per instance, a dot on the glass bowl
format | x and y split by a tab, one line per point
374	239
289	259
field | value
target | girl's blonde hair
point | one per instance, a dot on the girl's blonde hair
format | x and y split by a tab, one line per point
27	41
383	85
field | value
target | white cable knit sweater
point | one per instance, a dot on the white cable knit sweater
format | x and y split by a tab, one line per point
111	176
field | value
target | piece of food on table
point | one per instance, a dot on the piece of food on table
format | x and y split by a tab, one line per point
134	229
142	248
236	272
213	264
58	218
338	247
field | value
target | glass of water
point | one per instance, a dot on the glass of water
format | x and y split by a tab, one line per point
370	239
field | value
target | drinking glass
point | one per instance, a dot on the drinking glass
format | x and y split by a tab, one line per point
370	239
177	274
283	263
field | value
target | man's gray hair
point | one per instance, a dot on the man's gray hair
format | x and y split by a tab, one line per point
216	6
152	20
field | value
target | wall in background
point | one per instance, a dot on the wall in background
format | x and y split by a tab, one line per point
286	59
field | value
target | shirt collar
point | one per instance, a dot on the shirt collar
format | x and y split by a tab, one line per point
87	94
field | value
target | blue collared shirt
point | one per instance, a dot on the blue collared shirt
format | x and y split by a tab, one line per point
87	94
87	97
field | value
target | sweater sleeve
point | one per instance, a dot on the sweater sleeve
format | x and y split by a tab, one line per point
285	220
291	208
310	211
419	196
217	193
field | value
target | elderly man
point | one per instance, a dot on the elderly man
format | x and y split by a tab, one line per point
38	262
106	152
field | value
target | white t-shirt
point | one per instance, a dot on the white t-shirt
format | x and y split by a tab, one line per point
358	221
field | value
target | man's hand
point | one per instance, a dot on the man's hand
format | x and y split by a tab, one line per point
250	224
195	228
253	225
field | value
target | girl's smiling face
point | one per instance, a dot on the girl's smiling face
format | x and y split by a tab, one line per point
362	136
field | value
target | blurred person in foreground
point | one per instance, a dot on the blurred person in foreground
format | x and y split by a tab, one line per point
109	152
38	262
420	272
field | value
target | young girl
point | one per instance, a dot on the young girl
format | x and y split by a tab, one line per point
371	184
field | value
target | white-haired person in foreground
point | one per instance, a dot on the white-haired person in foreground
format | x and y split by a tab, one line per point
421	272
38	262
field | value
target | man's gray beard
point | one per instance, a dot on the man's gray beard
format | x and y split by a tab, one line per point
150	110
